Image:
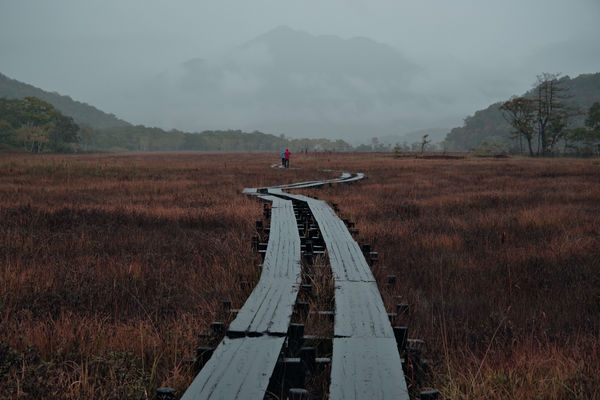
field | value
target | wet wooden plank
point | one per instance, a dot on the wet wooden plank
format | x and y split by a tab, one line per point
238	369
282	259
241	367
269	307
345	256
332	227
306	184
360	312
345	177
347	261
366	362
366	368
359	309
358	176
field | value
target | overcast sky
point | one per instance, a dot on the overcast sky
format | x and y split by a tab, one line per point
88	49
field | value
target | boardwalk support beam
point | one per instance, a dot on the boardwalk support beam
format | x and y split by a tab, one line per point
429	395
165	393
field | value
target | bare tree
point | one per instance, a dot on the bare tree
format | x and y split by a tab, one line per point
542	114
551	111
424	142
520	113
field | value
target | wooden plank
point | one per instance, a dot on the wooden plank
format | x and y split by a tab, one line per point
366	368
347	261
360	312
354	178
269	307
282	259
359	309
238	369
366	363
332	228
241	368
345	177
345	256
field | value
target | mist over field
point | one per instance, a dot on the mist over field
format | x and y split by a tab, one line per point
346	69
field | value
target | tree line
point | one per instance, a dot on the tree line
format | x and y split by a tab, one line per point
34	125
141	138
542	121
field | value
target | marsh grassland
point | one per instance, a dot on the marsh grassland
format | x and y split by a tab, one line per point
112	265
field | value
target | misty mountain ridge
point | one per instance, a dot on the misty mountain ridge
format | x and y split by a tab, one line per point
296	51
294	83
83	114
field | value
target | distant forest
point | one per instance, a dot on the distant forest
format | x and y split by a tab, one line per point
141	138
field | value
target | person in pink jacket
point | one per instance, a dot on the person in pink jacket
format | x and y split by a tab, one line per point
287	158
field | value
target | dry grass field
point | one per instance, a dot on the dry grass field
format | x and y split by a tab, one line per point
111	266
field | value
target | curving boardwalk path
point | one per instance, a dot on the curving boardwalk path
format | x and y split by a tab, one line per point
243	363
269	308
365	362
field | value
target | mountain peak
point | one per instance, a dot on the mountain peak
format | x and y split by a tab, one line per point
280	34
284	29
284	33
291	48
293	81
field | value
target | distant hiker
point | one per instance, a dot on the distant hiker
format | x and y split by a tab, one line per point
306	151
287	158
283	158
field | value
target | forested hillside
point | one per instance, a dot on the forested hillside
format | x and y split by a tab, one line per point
32	119
489	127
33	125
82	113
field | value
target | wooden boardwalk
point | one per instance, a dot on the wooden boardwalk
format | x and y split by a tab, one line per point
239	369
365	362
366	368
243	363
269	308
